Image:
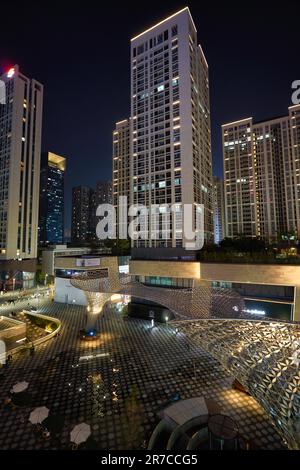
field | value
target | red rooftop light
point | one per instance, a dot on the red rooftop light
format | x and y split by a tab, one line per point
11	72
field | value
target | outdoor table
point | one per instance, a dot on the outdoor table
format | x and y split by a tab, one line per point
223	428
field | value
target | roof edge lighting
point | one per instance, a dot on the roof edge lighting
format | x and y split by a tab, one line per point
164	21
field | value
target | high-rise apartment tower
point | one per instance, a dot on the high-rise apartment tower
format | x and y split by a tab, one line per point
262	176
20	153
170	142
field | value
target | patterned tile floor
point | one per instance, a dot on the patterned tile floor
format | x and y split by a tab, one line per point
134	365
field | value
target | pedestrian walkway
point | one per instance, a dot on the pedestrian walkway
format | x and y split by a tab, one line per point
119	383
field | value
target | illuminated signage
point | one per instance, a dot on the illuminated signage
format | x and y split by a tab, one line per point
86	262
254	311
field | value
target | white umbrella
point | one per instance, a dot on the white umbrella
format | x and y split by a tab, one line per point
19	387
80	433
38	415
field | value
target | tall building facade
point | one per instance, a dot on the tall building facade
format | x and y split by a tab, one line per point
20	152
82	214
85	201
170	143
51	218
121	172
262	176
218	209
102	194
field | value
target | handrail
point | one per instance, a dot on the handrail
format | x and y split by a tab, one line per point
38	341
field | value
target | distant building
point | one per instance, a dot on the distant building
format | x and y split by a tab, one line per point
121	169
51	218
82	203
262	176
218	209
103	192
67	235
85	201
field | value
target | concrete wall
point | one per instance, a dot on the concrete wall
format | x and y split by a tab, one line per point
204	273
186	269
49	256
67	294
73	262
48	262
15	331
254	273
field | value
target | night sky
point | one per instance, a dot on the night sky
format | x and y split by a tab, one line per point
80	53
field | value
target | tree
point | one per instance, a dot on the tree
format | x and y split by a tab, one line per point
244	244
119	247
287	239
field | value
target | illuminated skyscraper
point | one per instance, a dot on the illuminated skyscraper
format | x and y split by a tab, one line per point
170	141
20	151
51	219
262	176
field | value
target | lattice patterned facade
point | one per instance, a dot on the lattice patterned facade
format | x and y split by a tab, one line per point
198	302
264	356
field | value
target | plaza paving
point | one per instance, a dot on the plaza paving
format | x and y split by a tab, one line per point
118	383
24	294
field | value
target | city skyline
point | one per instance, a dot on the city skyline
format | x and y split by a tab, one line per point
237	92
150	267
